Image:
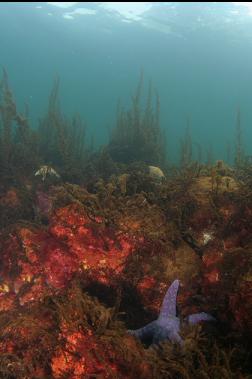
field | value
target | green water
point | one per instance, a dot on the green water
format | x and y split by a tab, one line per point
197	55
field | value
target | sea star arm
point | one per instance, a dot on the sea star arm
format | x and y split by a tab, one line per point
168	307
146	332
198	317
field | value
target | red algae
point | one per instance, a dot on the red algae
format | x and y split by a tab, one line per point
41	262
69	247
95	246
81	356
10	199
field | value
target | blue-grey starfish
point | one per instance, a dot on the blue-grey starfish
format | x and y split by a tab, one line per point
167	325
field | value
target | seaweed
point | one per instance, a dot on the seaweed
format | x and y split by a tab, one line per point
137	135
201	357
186	147
66	327
57	141
18	142
62	143
239	158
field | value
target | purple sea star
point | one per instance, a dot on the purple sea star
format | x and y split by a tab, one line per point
167	325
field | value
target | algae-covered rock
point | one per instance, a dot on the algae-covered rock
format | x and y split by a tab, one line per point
227	283
204	186
156	173
124	250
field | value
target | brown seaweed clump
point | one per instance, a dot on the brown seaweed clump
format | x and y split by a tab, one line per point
201	357
137	136
70	336
18	142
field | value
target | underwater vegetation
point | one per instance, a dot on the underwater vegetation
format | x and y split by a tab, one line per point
138	135
62	142
186	148
57	141
90	242
18	143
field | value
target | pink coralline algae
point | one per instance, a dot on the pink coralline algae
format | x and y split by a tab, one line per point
36	258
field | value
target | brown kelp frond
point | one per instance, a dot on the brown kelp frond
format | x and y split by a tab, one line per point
239	159
18	143
22	329
199	358
186	148
80	310
59	142
137	135
62	142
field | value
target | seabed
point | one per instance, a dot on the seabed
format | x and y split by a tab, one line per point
91	240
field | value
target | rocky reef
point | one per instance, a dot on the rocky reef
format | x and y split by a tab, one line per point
93	265
90	243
